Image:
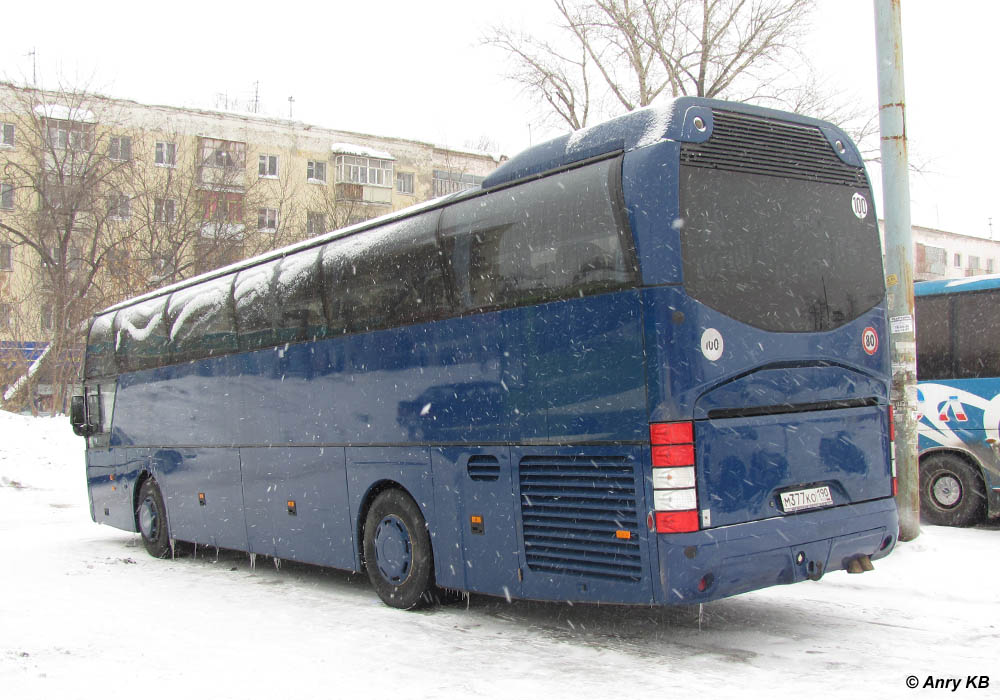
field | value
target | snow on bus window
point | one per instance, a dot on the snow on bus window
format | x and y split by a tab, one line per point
141	335
202	320
100	347
300	298
254	298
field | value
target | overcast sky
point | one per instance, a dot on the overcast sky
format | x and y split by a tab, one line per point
417	70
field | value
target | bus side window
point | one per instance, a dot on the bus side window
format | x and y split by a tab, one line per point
255	304
977	342
933	331
389	276
101	347
554	238
141	335
202	320
299	292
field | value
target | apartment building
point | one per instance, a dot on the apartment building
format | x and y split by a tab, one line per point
941	254
102	198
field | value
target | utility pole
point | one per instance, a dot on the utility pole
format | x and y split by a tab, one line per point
898	260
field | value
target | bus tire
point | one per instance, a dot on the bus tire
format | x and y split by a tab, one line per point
951	492
151	519
397	548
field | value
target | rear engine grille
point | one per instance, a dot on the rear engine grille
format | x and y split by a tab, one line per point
752	144
571	509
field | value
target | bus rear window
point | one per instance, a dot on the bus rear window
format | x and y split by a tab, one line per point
776	253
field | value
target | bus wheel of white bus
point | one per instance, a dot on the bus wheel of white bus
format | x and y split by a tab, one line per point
398	551
951	492
151	517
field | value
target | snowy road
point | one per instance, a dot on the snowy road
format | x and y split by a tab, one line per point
85	613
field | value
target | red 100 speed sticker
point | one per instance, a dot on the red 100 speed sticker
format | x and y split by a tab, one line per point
869	340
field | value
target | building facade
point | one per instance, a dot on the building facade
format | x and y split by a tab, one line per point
945	255
102	199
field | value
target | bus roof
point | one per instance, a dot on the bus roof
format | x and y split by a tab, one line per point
962	284
670	120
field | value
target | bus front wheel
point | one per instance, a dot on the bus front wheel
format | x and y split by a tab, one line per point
951	492
397	550
151	518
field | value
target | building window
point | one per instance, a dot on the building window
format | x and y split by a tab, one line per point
119	206
446	182
360	170
6	257
218	153
316	171
958	260
6	311
63	134
267	166
974	263
7	135
6	196
120	148
166	154
164	210
404	183
46	318
989	266
315	222
267	219
52	260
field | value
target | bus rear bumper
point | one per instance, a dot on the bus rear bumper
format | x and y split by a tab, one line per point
701	566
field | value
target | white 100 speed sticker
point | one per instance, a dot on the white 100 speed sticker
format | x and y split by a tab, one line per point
711	344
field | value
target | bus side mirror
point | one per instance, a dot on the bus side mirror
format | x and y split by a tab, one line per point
78	416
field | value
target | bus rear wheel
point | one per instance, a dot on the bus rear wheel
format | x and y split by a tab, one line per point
151	518
397	550
951	492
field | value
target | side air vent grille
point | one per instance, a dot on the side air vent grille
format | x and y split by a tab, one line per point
483	468
576	511
752	144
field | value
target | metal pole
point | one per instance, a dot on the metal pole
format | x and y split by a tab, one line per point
898	260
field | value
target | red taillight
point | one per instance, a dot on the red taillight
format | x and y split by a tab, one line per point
677	521
673	455
892	425
675	496
895	486
671	433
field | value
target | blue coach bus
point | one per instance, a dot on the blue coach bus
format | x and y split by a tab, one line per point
642	363
958	365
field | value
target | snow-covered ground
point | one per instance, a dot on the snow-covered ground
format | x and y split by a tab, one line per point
85	613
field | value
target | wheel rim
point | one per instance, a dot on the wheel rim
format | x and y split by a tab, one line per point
149	519
947	491
393	550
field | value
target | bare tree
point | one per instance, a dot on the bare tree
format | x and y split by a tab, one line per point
71	180
630	52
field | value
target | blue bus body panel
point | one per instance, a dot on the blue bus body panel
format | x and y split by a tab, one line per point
963	415
810	367
346	413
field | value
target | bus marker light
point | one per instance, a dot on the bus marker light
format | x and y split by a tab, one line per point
291	508
201	499
478	527
675	499
677	521
623	534
705	583
673	478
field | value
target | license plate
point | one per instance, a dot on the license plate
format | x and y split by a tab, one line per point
792	501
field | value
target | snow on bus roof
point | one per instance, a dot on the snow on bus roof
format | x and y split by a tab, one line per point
363	151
